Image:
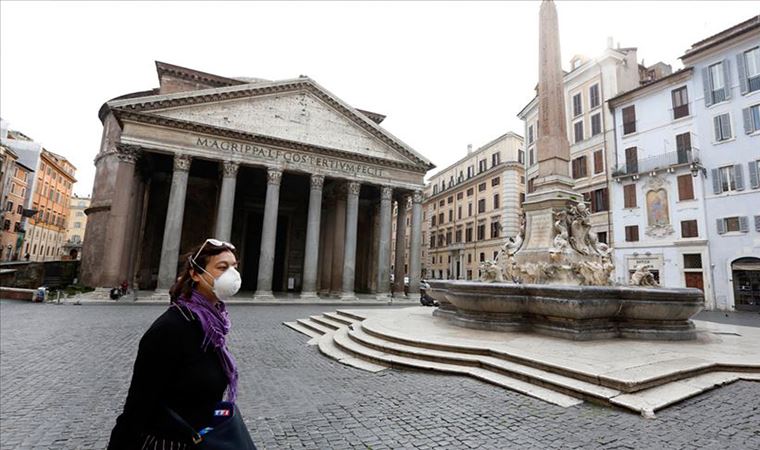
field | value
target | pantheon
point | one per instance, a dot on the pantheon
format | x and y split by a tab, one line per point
303	184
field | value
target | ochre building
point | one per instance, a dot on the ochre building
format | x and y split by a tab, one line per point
300	182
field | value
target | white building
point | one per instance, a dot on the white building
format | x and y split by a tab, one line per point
659	189
726	100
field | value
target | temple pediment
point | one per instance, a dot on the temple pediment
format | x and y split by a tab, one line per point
295	110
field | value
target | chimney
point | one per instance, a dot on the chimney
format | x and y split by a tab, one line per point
469	148
609	42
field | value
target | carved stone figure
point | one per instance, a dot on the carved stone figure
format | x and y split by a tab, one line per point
491	272
579	228
643	277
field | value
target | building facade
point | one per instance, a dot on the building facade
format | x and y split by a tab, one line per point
75	228
726	79
302	183
472	206
659	186
587	87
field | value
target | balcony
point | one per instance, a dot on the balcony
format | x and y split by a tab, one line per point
664	161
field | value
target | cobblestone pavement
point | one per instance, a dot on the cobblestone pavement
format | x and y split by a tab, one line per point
64	373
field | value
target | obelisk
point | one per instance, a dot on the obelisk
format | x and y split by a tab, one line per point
553	186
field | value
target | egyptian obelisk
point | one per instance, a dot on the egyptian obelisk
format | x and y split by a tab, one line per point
553	186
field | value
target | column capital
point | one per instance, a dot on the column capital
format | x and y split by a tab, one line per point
230	169
317	182
274	176
417	197
353	187
182	162
386	193
128	153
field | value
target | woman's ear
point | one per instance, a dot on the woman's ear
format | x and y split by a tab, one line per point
194	276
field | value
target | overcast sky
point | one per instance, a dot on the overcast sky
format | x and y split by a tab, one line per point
446	74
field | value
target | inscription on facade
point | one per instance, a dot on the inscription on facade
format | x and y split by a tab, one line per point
289	157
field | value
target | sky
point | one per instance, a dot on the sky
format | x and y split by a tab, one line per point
446	74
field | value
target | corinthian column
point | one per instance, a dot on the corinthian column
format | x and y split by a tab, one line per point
384	253
349	251
414	243
167	270
269	234
398	276
226	201
309	289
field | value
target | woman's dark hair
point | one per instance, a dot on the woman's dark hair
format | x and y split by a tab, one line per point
185	284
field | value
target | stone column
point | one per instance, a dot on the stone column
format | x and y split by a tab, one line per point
384	253
226	201
311	257
398	276
115	260
269	234
349	250
415	247
167	270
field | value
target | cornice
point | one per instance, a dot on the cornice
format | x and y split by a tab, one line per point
152	103
478	178
646	89
152	119
195	75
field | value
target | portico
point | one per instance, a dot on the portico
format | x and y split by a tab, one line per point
297	180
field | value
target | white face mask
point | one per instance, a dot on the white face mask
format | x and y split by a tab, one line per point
226	285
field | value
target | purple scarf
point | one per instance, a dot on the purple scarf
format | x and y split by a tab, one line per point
215	322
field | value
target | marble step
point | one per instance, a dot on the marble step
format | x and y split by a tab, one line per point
345	343
327	322
341	318
350	314
302	329
327	346
314	326
561	383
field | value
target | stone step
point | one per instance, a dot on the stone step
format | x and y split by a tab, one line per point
566	385
302	329
326	322
327	347
345	343
340	318
350	314
308	323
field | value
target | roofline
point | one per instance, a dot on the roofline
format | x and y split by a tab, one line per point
683	73
195	75
721	37
481	148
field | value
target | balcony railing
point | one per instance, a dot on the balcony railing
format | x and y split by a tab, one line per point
659	162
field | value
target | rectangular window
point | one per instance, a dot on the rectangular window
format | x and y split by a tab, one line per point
598	161
530	134
451	215
631	160
442	202
722	127
531	185
689	229
692	261
469	209
481	187
481	205
602	237
531	155
578	131
482	166
599	200
683	148
469	192
596	124
629	119
752	69
460	195
685	187
432	244
481	232
680	99
577	105
495	159
579	167
468	234
495	181
632	233
629	196
496	201
751	118
459	212
731	224
593	95
727	178
440	219
717	84
495	227
450	199
521	157
458	236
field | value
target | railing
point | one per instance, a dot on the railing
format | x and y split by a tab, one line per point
658	162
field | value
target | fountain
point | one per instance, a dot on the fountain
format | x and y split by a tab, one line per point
554	277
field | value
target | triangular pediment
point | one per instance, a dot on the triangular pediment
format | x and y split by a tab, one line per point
298	116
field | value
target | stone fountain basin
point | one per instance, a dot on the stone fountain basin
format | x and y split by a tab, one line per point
574	312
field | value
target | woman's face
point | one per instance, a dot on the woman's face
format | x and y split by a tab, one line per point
215	266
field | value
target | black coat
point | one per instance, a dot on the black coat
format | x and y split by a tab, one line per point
170	369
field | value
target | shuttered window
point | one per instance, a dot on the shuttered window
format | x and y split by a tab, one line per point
629	196
683	148
496	201
685	187
598	161
593	94
632	233
689	229
629	119
578	131
481	205
579	167
599	200
748	64
631	160
680	98
754	174
722	127
751	117
596	124
577	105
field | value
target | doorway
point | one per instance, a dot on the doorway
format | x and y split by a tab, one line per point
746	276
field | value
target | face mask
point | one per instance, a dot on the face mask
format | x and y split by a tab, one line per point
227	284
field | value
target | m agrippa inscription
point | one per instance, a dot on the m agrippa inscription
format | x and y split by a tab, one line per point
289	156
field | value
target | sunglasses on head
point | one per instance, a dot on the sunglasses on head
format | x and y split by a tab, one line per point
215	243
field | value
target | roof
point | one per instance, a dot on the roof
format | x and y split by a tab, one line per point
673	77
475	152
725	35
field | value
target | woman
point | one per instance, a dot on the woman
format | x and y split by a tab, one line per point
182	361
